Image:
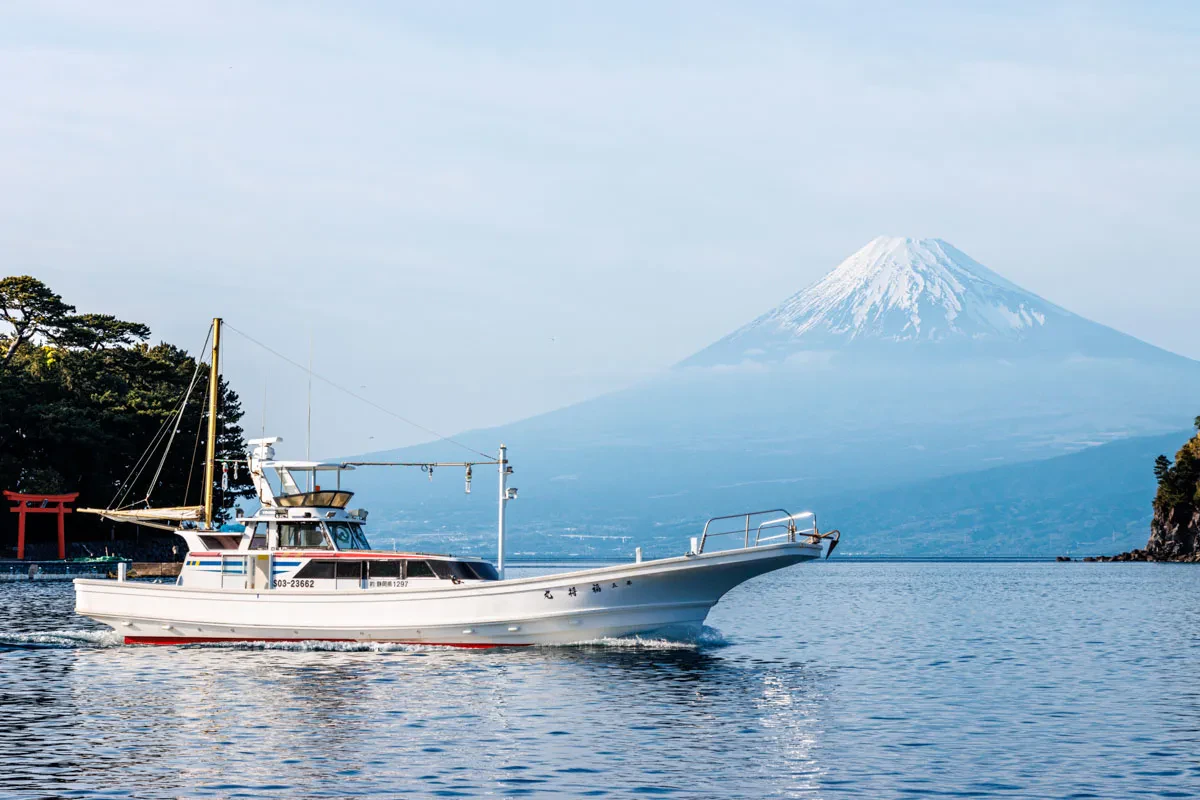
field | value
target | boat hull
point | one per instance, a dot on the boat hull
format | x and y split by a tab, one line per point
666	597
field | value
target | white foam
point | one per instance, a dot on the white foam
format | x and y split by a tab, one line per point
707	638
64	639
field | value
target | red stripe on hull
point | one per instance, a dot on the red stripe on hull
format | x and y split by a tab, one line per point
165	640
381	555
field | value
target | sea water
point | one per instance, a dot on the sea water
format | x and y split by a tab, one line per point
823	680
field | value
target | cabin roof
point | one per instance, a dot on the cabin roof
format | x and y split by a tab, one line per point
313	465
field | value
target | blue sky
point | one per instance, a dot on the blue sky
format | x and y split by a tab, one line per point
482	211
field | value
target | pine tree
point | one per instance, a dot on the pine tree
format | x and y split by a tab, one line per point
82	395
31	309
1162	468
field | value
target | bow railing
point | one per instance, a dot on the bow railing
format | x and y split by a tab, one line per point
768	526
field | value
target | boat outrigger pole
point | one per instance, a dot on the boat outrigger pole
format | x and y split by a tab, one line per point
507	493
504	498
210	450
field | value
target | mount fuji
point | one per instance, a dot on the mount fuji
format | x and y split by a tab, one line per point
918	295
909	362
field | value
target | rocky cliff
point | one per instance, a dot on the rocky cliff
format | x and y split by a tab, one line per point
1175	535
1176	524
1175	528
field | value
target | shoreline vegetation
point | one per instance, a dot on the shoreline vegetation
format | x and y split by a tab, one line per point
1175	527
82	396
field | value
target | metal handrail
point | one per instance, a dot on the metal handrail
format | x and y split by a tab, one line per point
789	533
785	523
790	527
746	530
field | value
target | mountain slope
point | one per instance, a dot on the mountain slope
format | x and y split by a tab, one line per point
1092	502
918	292
842	392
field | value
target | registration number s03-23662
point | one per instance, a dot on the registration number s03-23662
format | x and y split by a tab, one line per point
301	583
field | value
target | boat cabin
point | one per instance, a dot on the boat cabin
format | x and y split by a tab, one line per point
308	539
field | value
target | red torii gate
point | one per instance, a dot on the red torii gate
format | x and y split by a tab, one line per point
40	504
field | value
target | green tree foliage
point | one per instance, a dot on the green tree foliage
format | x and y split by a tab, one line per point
83	396
1179	482
1162	468
101	331
31	310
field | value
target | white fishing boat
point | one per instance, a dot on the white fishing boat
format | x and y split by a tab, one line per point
302	569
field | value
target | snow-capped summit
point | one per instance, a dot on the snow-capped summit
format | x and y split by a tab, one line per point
910	289
924	292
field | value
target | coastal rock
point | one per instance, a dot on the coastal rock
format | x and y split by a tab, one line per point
1175	534
1175	527
1132	555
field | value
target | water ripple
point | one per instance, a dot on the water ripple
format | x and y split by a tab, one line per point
906	680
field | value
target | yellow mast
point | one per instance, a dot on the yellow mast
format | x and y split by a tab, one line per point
210	452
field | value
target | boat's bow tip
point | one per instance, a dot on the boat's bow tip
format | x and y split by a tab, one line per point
834	537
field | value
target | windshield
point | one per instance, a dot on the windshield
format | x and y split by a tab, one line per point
301	534
348	536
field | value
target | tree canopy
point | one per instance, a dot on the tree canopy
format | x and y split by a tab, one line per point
31	310
1179	482
82	396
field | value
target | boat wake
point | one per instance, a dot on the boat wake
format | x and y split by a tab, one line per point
708	638
58	640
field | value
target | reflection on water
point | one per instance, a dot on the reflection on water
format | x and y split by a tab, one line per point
906	679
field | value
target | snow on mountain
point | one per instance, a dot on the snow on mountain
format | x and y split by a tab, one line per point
904	289
921	291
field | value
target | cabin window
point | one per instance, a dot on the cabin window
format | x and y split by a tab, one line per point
301	534
347	536
317	570
483	570
349	569
384	569
418	569
220	542
258	541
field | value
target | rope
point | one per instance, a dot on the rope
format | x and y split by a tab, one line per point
139	467
135	472
178	421
355	395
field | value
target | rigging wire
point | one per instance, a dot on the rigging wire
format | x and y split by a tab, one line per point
135	472
187	488
139	466
355	395
175	429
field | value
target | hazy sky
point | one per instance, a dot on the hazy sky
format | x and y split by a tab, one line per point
479	211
